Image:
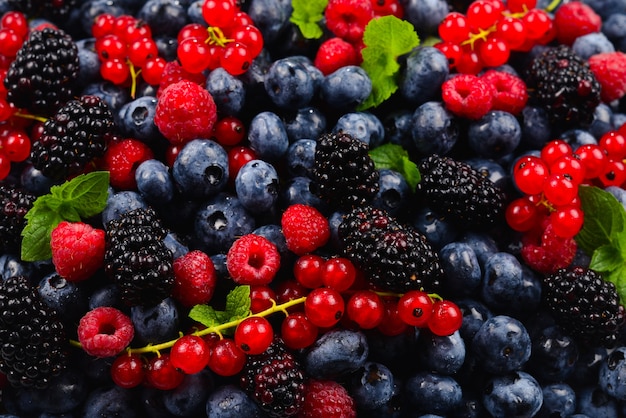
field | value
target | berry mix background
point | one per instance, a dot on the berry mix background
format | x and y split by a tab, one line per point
324	208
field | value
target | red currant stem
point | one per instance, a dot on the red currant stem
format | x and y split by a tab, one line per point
550	7
29	116
482	34
133	76
217	37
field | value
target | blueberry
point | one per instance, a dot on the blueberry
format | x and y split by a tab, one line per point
618	193
306	123
271	17
492	170
502	344
156	324
425	71
336	353
175	245
64	395
107	295
613	373
227	90
591	44
154	182
298	190
201	169
515	394
559	400
554	354
89	62
66	298
444	355
434	129
475	313
606	8
189	398
393	192
602	121
110	402
136	119
398	125
301	157
371	386
288	84
346	88
257	186
164	17
228	401
121	202
194	12
482	243
425	15
432	393
437	229
11	265
364	126
462	270
114	96
577	137
33	181
397	352
167	47
594	402
536	128
495	135
614	27
267	136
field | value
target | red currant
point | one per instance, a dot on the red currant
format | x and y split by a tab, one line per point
614	174
324	307
253	335
226	358
237	157
152	70
127	371
190	354
481	14
141	50
16	145
593	159
559	189
554	150
614	144
529	174
220	13
110	47
261	297
522	215
194	55
297	331
512	31
567	221
161	373
520	6
339	273
229	131
192	30
366	309
250	36
16	21
494	52
236	58
415	308
103	25
391	323
115	70
308	270
10	42
445	319
454	28
570	166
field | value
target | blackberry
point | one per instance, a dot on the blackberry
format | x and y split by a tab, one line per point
275	380
392	256
54	10
561	82
454	188
33	343
343	173
585	305
14	204
73	137
137	259
42	76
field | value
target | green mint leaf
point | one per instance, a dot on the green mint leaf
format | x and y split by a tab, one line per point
606	259
36	235
85	195
604	220
306	15
238	303
394	157
385	39
205	315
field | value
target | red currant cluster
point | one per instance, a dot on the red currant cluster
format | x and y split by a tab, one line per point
13	32
550	182
231	40
490	30
14	147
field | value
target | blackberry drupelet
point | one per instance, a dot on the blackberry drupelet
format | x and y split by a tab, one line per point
452	187
42	76
72	138
561	82
585	305
14	204
33	343
137	259
392	256
343	173
275	380
54	10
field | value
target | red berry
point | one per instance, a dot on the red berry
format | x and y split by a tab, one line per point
324	307
494	52
569	166
237	158
308	270
593	159
236	58
252	259
391	323
454	28
152	70
173	72
261	298
194	278
522	215
305	228
15	144
194	55
614	145
121	160
335	53
297	331
529	174
481	14
509	91
328	399
220	13
366	309
446	318
105	331
575	19
347	18
253	335
554	150
128	371
609	68
567	221
415	308
250	36
339	273
161	373
190	354
229	131
546	252
559	189
614	174
77	250
16	21
226	358
468	96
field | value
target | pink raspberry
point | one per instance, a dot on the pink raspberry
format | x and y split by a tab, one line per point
185	111
546	252
335	53
328	399
610	71
467	95
509	91
194	278
105	332
252	260
77	250
121	160
305	228
347	18
575	19
174	72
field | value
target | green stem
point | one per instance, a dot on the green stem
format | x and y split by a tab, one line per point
553	5
29	116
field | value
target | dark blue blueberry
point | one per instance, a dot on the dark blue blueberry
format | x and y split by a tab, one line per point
111	402
107	295
167	47
334	220
300	157
306	123
492	170
559	401
89	62
33	181
364	126
618	119
495	135
175	245
591	44
316	74
346	88
164	17
257	186
587	368
136	119
397	352
432	393
154	182
536	128
483	244
614	27
437	229
336	353
66	298
157	323
554	355
201	169
434	129
152	403
11	265
267	136
502	344
462	273
271	17
398	125
288	84
219	262
194	12
613	374
92	8
515	394
602	121
121	202
425	15
606	8
578	137
595	403
371	386
618	193
220	221
471	407
298	190
113	95
227	90
273	233
444	355
189	398
475	313
229	401
393	192
426	70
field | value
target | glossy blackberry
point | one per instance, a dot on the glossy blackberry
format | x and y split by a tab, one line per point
275	380
33	343
561	82
14	204
343	173
55	10
43	74
585	305
137	259
392	256
452	187
73	137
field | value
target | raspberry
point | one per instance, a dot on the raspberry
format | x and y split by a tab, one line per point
194	278
122	159
105	331
174	72
77	250
326	398
575	19
252	260
347	18
546	252
610	70
467	96
335	53
305	228
510	94
185	111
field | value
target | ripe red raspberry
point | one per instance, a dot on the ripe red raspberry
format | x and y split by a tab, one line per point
305	228
194	278
347	18
575	19
185	111
335	53
174	72
252	260
121	160
105	331
77	250
467	96
546	252
610	70
328	399
509	91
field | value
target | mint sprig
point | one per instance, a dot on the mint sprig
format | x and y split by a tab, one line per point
307	15
237	307
82	197
394	157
